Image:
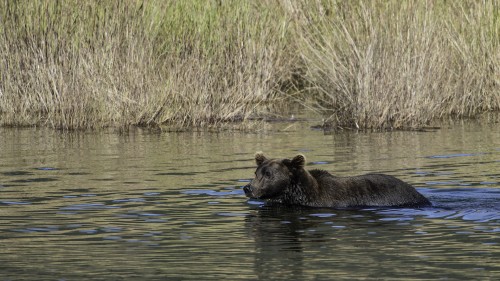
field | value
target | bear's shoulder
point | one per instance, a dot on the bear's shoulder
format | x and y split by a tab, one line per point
318	174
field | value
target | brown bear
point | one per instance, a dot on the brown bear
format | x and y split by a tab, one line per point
286	181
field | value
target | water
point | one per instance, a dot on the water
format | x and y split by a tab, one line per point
147	206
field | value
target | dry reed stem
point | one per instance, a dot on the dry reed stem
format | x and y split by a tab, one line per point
365	64
395	64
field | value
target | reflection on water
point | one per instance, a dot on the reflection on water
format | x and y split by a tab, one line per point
170	206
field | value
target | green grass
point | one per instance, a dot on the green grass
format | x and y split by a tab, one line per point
401	64
196	64
87	64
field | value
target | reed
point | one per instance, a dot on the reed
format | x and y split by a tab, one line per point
400	64
87	64
203	63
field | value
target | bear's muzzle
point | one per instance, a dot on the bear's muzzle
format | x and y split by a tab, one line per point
248	190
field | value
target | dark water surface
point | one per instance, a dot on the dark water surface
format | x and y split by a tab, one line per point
145	206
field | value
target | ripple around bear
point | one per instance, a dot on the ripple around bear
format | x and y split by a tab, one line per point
286	181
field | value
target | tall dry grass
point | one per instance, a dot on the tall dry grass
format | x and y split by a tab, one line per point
400	64
86	64
200	63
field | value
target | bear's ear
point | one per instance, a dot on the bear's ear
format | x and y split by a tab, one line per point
260	158
298	161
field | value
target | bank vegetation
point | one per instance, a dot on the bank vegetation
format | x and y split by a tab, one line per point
205	63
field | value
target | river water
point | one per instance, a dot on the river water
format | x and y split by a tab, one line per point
170	206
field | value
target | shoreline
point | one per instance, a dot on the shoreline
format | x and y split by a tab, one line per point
363	65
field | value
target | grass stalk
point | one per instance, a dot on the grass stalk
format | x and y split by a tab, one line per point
195	64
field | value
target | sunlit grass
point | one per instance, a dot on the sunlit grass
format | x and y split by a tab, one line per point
191	64
400	64
87	64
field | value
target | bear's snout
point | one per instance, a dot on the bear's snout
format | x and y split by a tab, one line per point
248	190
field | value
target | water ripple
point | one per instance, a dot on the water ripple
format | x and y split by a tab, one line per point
87	206
14	203
212	192
455	155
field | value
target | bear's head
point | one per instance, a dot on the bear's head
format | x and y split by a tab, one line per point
273	176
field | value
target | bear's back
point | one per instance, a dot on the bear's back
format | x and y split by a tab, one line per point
365	190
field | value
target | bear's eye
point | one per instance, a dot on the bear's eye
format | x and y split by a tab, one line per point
267	174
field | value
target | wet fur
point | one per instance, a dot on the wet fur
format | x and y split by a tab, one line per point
286	181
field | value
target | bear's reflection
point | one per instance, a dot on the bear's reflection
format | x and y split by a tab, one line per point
278	232
287	237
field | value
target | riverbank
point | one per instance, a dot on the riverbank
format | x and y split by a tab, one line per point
199	64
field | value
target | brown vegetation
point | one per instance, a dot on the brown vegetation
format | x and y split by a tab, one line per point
366	64
401	64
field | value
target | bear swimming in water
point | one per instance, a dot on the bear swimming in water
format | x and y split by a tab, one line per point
286	181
